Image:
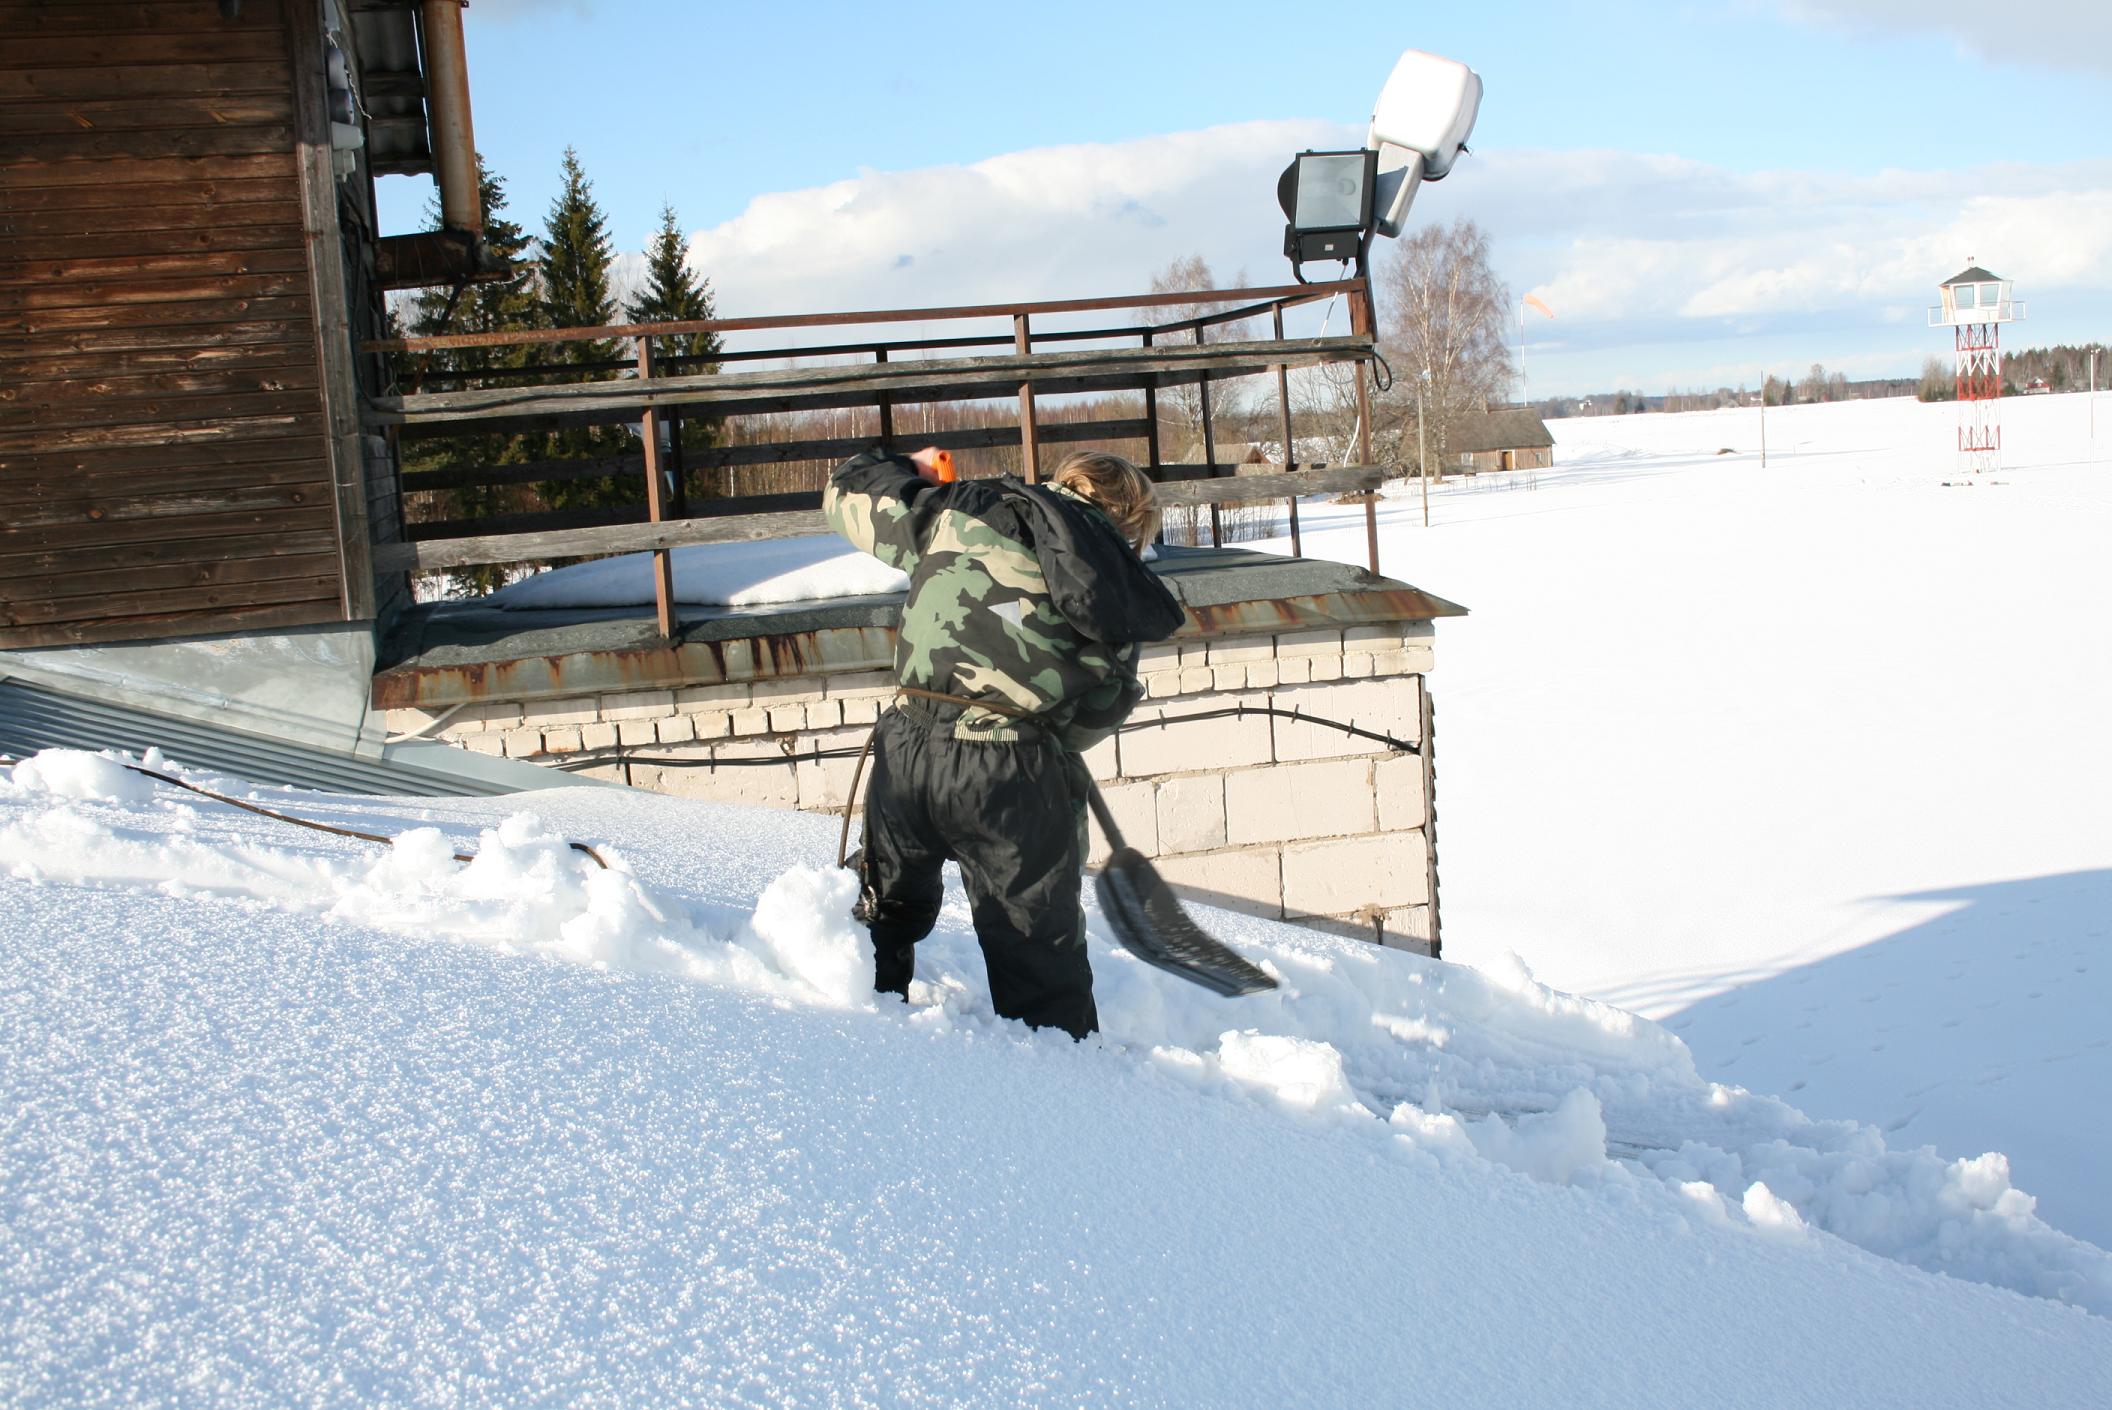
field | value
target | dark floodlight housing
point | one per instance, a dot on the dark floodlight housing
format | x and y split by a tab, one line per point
1327	196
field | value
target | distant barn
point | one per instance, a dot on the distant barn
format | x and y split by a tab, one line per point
1512	439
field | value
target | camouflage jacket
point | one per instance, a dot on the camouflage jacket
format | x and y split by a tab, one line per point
1022	594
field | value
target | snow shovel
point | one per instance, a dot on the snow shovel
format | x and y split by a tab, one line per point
1149	921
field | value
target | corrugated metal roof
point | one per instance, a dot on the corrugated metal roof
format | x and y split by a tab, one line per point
33	717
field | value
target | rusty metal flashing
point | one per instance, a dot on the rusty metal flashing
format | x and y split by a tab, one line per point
450	654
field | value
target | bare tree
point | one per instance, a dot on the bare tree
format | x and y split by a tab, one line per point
1443	309
1181	408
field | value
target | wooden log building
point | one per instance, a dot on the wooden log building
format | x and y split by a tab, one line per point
187	260
1514	438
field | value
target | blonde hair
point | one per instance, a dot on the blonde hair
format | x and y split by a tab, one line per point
1117	488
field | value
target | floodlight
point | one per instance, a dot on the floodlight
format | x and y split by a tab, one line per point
1336	201
1327	196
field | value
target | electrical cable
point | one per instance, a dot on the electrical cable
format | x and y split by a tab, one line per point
576	760
304	822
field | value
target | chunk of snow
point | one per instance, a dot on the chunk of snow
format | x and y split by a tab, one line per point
75	773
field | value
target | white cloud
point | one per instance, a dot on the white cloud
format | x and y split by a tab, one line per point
1641	256
1774	245
1055	222
2071	34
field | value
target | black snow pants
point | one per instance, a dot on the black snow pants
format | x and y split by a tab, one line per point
1007	812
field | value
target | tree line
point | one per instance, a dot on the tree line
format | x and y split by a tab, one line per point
2064	367
563	278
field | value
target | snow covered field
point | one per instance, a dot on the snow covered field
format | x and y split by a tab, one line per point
1814	763
1807	762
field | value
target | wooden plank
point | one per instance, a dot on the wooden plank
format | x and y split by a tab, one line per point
209	487
110	292
540	521
675	533
167	624
34	611
54	117
151	205
107	327
254	357
261	166
175	576
45	149
140	246
935	379
150	502
215	431
102	402
142	81
1288	294
45	540
775	453
1246	489
167	410
235	545
160	460
245	323
96	50
148	272
162	17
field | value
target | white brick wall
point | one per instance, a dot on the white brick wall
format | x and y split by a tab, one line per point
1252	875
1191	813
1222	744
1350	874
1282	817
1292	801
1135	810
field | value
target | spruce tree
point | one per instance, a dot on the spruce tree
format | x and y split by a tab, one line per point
672	294
575	294
576	260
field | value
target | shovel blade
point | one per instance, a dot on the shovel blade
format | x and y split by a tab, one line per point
1152	925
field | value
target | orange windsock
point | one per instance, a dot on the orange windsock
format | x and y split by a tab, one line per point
1533	301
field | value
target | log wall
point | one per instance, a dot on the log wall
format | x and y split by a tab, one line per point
166	462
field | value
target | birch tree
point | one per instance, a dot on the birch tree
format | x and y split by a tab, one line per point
1443	308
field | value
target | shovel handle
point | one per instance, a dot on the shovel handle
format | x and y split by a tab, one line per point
1098	804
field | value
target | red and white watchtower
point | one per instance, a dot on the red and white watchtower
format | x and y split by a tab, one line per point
1976	304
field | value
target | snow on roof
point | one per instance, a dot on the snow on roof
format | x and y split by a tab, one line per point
817	568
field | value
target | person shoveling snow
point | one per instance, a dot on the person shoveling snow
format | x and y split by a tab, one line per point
1017	651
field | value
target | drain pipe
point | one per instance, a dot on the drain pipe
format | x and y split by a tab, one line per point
447	106
456	253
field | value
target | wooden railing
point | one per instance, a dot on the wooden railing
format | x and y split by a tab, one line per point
661	389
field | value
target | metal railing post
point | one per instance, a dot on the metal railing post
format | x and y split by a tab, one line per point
1029	452
1151	417
1283	411
655	500
887	409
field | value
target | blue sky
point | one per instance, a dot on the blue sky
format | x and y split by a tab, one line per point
1703	192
